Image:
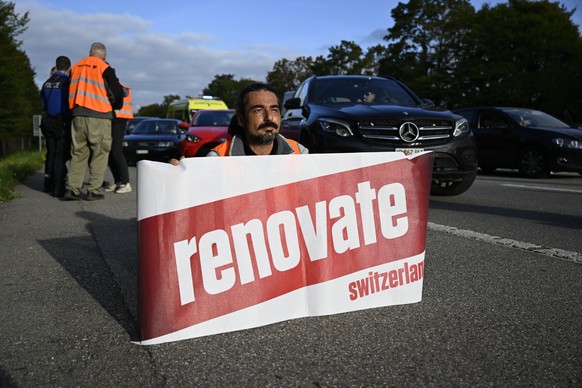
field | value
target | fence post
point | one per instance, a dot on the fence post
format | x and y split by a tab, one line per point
36	119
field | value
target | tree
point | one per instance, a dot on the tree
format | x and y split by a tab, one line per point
287	75
19	99
523	53
424	44
226	88
157	110
347	58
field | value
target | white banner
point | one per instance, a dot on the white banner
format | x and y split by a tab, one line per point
238	242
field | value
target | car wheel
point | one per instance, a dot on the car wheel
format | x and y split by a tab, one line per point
449	188
533	163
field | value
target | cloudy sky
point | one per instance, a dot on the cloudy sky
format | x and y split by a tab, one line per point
177	47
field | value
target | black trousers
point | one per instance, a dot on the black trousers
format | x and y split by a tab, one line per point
117	162
57	133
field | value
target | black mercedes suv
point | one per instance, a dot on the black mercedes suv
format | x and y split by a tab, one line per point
346	113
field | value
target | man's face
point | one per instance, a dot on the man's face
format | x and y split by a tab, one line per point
262	117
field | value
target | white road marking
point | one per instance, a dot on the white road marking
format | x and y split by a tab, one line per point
542	188
548	251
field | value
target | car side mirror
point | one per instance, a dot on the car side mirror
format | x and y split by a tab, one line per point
292	103
426	103
183	126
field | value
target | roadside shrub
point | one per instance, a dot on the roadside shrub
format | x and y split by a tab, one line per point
15	169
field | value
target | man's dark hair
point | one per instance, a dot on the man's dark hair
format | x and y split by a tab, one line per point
242	100
234	128
63	63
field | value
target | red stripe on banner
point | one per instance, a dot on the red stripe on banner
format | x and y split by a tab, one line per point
251	248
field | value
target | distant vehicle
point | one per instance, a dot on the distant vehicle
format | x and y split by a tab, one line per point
531	141
153	139
365	114
133	122
208	129
184	109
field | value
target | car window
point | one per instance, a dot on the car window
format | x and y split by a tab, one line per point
156	127
357	90
534	118
213	119
492	119
302	92
144	127
167	127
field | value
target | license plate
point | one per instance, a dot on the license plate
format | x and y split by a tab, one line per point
409	151
141	152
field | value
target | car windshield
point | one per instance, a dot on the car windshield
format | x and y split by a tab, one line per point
213	119
154	127
134	122
534	118
361	90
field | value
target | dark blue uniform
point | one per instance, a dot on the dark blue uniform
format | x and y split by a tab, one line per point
56	128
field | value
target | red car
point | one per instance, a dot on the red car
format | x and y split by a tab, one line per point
208	129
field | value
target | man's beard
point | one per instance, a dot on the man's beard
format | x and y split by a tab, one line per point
266	138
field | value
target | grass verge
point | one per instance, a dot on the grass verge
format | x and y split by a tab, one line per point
15	169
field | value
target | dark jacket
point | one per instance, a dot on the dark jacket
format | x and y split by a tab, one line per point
54	96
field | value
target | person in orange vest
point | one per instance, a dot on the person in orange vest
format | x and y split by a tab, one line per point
255	127
94	93
117	162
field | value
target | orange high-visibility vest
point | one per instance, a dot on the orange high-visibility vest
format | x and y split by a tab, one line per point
223	148
87	88
126	112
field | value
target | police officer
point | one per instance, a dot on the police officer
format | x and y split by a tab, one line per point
56	126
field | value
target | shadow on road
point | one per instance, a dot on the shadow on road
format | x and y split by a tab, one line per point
81	257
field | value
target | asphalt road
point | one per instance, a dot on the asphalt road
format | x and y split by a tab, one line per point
501	303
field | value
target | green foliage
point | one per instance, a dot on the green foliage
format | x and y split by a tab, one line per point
520	53
226	88
152	110
523	53
15	169
19	99
347	58
287	75
424	44
157	110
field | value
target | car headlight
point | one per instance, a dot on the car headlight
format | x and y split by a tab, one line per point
461	126
567	143
193	138
165	144
340	128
